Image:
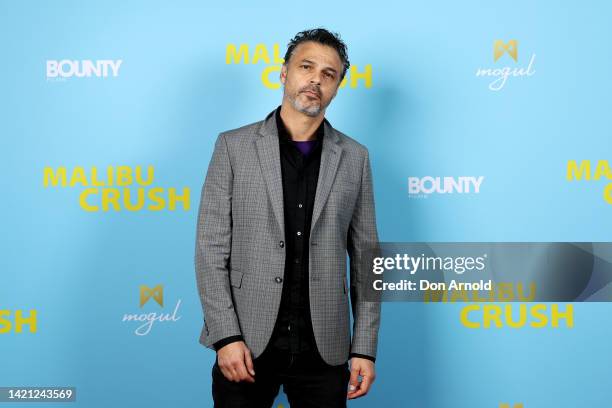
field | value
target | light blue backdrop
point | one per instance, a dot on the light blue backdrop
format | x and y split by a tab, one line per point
426	113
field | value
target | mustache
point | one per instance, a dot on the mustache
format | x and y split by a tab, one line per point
313	89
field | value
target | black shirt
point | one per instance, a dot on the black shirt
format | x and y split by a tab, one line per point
293	330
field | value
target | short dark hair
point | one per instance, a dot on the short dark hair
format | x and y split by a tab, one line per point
321	36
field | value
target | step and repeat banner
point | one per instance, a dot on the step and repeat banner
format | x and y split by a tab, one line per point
488	131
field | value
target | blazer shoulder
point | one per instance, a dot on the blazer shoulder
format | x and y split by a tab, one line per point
242	133
351	144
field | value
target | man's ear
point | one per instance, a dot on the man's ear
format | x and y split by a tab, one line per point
283	74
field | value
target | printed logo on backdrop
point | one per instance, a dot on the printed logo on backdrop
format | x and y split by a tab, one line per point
584	172
144	321
62	70
119	188
423	187
506	53
260	54
16	324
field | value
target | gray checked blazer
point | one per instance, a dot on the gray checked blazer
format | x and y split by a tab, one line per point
240	250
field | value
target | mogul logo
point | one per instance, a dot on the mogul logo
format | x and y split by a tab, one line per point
421	187
101	190
506	405
270	74
146	293
17	323
63	69
147	319
501	74
584	172
499	48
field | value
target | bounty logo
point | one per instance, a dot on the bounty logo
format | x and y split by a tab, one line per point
422	187
501	74
63	69
147	319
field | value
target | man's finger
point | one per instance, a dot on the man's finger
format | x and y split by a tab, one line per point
243	374
249	361
354	380
227	372
364	387
241	371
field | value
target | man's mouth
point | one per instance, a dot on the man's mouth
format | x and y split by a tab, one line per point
311	94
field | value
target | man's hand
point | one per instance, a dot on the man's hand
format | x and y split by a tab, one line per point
235	362
360	367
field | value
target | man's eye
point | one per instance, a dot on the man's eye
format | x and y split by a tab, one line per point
327	74
305	66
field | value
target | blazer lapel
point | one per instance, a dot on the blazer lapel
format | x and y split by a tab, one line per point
330	157
269	158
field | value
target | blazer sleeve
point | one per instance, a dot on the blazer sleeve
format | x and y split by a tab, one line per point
213	248
361	240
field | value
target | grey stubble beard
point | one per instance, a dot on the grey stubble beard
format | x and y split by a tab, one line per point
312	110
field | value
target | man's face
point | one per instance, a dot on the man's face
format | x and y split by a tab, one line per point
311	77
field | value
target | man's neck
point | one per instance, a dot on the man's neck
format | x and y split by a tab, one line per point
300	127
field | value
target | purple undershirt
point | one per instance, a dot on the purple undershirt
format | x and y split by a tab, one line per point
305	147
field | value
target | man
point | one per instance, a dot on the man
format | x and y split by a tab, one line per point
283	201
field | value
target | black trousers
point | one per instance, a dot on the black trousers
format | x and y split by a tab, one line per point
307	380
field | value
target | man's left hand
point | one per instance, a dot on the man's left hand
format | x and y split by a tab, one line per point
364	368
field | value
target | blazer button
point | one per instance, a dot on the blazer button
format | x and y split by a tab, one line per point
281	244
278	279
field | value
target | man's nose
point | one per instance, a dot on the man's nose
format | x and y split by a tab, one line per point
315	78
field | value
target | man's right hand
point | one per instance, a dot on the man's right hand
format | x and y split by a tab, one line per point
235	362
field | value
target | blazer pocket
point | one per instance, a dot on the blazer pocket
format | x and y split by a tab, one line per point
343	195
344	284
236	278
349	185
